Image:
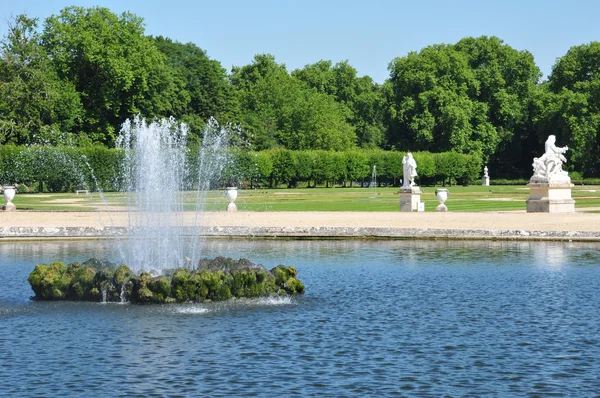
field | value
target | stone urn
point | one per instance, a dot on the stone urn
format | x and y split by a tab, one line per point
231	193
9	192
442	196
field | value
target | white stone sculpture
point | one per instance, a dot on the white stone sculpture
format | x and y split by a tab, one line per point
485	180
549	166
442	195
231	194
9	192
550	186
410	171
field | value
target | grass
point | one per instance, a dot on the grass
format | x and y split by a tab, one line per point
464	199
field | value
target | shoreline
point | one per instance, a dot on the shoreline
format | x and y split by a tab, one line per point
33	225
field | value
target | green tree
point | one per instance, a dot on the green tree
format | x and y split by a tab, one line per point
471	97
205	90
570	109
284	168
278	110
508	85
361	99
36	107
357	166
117	70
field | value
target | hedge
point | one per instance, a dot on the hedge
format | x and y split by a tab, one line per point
63	169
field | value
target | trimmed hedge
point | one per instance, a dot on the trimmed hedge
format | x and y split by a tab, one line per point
63	169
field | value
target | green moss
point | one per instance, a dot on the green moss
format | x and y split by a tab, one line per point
50	282
82	281
181	288
161	289
218	279
294	286
121	275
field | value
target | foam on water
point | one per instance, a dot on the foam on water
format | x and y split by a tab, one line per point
194	310
273	300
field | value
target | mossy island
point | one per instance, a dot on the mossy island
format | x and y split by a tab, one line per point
212	280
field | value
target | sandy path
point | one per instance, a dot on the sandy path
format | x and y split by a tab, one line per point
449	220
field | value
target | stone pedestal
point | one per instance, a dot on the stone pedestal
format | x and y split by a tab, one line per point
550	196
9	207
9	192
485	181
410	198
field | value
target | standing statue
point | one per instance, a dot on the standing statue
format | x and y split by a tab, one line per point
550	163
410	170
485	172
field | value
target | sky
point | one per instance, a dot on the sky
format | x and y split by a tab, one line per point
369	34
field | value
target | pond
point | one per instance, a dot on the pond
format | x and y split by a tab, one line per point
410	318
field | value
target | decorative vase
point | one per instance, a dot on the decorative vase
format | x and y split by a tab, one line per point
442	195
231	193
9	192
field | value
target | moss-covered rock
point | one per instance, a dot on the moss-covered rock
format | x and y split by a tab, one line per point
82	282
214	280
50	282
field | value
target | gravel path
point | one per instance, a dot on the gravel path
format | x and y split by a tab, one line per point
23	224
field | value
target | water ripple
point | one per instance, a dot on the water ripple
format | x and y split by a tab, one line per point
378	319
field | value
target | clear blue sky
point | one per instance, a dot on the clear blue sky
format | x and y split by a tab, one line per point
369	34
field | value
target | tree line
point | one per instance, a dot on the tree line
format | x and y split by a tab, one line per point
76	77
65	169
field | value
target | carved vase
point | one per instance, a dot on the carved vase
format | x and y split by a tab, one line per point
231	193
442	196
9	192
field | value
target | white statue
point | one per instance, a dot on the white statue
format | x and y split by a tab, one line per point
485	172
410	170
550	163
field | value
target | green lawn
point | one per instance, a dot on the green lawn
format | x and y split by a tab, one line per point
472	198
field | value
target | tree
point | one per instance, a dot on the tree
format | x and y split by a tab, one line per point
361	98
471	97
571	106
117	70
277	110
36	107
508	81
431	105
204	86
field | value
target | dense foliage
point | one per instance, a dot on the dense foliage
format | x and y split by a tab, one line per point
62	169
75	78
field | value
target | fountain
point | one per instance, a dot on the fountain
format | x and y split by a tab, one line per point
162	247
373	182
157	172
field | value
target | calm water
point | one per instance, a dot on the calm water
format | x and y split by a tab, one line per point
399	318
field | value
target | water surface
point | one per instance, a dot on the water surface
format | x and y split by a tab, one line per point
405	318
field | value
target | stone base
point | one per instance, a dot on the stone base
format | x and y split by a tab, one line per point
441	207
410	198
550	197
231	207
485	181
9	207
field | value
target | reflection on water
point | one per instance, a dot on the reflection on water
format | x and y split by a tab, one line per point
410	318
